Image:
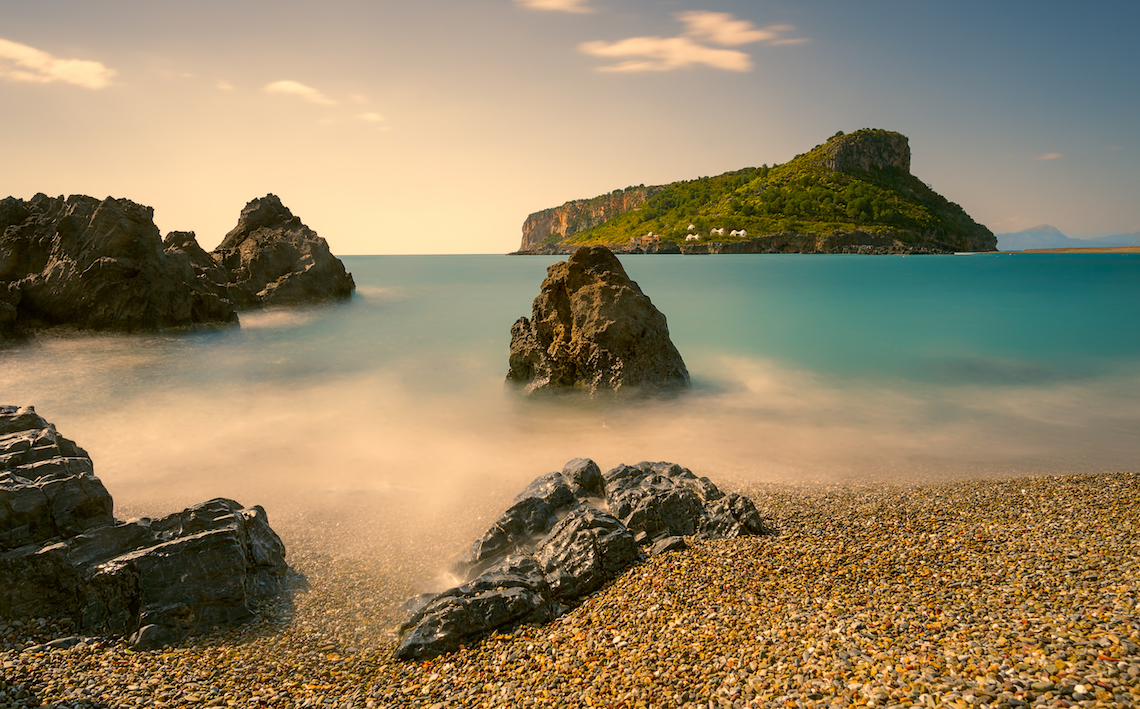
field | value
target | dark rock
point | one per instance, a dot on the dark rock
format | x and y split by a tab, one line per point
94	265
664	499
274	259
47	484
592	329
101	265
668	544
558	542
63	555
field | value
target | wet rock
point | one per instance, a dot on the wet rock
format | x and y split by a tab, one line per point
664	500
274	259
94	265
63	555
47	484
592	329
101	265
565	536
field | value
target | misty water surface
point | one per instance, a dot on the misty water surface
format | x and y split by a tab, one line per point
384	423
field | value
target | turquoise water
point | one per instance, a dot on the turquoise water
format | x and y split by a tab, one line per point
804	368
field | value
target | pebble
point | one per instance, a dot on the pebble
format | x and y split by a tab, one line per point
979	594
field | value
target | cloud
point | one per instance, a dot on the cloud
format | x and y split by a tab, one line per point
224	85
578	6
19	62
298	89
371	117
1114	148
692	47
724	29
665	54
1048	156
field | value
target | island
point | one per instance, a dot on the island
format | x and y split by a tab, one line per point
852	194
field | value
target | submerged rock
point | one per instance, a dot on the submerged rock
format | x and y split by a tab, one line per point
63	555
274	259
565	535
593	329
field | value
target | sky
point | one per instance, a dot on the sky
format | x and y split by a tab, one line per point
437	126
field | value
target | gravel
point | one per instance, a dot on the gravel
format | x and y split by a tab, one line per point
983	593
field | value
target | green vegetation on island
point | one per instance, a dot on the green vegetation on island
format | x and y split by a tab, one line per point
855	188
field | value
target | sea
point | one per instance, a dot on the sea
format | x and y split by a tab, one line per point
384	426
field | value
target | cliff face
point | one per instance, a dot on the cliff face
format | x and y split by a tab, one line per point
867	150
581	214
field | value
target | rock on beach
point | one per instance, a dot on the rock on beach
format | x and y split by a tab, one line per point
63	556
566	534
967	594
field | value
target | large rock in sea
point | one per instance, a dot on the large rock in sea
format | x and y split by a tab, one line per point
274	259
565	535
102	265
592	329
95	265
63	555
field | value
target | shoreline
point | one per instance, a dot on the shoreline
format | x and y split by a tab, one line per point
979	592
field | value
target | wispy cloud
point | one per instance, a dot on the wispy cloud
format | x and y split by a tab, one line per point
298	89
664	54
1048	156
724	29
224	85
1114	148
579	6
692	47
371	117
19	62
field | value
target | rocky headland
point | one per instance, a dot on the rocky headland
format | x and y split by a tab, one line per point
566	535
101	265
65	558
852	194
593	330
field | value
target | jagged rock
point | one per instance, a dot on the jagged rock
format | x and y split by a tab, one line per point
63	555
47	484
274	259
101	265
560	541
593	329
94	265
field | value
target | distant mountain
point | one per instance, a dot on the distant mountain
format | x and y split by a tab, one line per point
853	193
1045	236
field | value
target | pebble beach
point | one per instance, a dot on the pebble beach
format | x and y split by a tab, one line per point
979	593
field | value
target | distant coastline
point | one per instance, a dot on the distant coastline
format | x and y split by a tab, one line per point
1081	250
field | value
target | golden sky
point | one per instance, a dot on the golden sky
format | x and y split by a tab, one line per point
436	126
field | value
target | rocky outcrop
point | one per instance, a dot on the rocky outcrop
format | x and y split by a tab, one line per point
578	215
565	535
868	149
63	555
592	329
101	265
274	259
95	265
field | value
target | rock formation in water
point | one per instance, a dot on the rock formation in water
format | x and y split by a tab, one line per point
95	265
274	259
851	194
102	265
63	555
592	329
565	535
